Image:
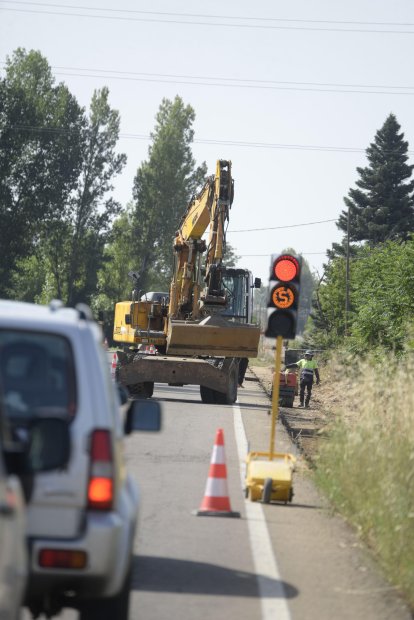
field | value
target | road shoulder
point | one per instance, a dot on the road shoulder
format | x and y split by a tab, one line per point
317	552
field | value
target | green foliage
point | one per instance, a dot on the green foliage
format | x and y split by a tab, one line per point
114	284
328	314
90	212
381	300
56	169
381	277
230	258
366	462
382	296
163	186
307	287
40	156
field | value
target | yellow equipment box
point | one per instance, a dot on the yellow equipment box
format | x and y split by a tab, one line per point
271	479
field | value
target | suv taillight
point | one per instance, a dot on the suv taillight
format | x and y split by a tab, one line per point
101	481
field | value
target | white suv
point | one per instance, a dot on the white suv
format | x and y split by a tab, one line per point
81	517
13	555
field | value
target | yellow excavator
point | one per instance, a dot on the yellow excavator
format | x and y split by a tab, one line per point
197	332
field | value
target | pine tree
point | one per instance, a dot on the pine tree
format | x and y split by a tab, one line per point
381	208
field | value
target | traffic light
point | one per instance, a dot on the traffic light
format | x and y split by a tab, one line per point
283	301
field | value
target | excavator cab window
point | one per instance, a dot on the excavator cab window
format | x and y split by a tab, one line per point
234	283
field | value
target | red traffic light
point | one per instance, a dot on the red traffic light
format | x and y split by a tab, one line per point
284	293
286	268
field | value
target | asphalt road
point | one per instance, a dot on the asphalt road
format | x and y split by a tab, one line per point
294	562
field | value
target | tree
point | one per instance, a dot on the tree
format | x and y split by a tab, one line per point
90	212
163	187
40	156
382	299
230	258
382	305
381	207
327	317
114	284
71	246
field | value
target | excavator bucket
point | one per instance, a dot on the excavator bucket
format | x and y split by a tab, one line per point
213	336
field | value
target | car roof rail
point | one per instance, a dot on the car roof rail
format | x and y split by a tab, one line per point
56	304
84	311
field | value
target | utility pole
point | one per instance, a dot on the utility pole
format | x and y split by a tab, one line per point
347	276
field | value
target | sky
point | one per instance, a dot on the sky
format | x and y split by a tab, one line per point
291	92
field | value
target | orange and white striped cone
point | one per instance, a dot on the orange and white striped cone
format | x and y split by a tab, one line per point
113	365
216	501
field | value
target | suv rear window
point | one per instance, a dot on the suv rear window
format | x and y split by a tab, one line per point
36	374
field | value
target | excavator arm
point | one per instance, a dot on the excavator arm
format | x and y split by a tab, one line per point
210	208
196	325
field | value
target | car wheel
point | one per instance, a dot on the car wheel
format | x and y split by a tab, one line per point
115	607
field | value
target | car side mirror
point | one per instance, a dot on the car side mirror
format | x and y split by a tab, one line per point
143	415
257	282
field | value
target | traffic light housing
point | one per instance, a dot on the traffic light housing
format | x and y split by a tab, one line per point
283	300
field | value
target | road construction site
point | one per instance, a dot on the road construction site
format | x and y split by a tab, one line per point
286	561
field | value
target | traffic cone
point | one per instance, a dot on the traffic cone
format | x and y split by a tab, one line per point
114	364
216	502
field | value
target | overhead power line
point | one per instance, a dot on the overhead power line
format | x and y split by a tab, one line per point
280	227
231	82
264	145
206	16
192	82
227	79
190	22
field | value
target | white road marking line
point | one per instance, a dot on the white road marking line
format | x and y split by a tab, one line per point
271	590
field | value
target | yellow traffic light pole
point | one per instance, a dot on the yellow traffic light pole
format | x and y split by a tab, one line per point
275	394
269	474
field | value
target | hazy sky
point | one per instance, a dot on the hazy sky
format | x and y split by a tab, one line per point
291	92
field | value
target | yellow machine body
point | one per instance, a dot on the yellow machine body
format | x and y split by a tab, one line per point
139	322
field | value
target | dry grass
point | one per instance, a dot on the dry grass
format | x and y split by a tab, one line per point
366	466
